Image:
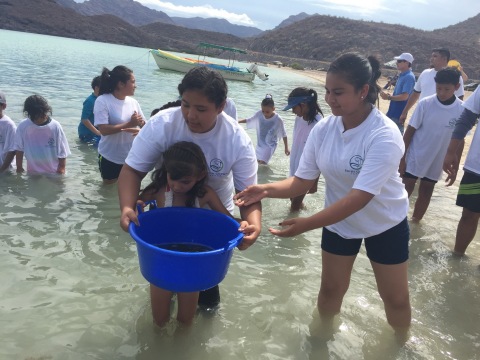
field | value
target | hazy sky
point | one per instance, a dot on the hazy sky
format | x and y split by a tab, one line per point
266	14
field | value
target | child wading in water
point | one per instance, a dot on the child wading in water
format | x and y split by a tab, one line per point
269	126
181	181
41	139
304	104
427	138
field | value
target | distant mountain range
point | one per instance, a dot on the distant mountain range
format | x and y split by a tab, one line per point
309	40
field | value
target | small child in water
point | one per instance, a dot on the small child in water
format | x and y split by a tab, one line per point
181	181
270	128
41	139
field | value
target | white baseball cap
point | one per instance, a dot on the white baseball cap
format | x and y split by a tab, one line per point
405	56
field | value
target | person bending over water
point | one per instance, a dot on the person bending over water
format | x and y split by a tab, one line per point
357	149
230	155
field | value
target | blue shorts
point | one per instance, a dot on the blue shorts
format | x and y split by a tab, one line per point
109	170
389	247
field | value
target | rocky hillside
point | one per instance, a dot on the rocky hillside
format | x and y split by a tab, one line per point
217	25
321	37
311	42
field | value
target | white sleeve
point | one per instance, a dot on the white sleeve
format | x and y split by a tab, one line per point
100	111
19	145
308	167
147	148
417	116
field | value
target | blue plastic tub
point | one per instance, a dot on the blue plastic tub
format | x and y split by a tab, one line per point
175	227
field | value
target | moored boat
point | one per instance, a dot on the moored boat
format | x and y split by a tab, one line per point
169	61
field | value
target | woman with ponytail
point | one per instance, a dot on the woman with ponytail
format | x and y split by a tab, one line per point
357	149
115	110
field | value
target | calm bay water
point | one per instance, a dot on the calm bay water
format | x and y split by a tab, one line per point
70	283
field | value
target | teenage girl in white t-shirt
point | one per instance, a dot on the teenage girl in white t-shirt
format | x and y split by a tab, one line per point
304	104
357	149
114	111
180	181
232	165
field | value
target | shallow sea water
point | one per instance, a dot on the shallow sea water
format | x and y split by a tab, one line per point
70	282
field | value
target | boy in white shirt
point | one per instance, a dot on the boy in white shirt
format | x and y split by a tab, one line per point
427	137
7	136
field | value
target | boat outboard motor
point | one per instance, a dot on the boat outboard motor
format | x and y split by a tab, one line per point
254	69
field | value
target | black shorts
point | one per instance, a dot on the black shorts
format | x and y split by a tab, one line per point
108	170
389	247
411	176
469	192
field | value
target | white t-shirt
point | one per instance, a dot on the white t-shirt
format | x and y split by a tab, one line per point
364	158
109	110
427	86
472	162
230	108
227	147
268	133
434	124
301	129
7	137
42	145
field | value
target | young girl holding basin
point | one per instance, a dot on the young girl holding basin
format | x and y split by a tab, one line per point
304	104
357	149
181	181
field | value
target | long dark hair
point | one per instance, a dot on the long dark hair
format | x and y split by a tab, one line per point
36	107
358	70
312	102
110	79
182	159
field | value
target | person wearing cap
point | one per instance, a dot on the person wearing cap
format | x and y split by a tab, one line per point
7	136
403	89
304	104
425	85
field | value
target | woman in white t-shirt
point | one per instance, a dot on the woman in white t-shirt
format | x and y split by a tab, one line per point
114	111
357	149
304	104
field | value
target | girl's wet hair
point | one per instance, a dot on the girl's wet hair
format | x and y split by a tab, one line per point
210	82
182	159
312	103
358	70
36	107
111	78
268	101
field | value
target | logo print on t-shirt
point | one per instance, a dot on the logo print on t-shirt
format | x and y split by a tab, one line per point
51	142
356	162
216	165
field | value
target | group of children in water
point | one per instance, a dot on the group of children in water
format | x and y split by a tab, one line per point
202	156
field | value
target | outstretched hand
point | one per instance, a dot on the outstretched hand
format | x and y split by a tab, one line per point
250	195
292	227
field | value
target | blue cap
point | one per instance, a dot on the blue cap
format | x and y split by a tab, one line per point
295	100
